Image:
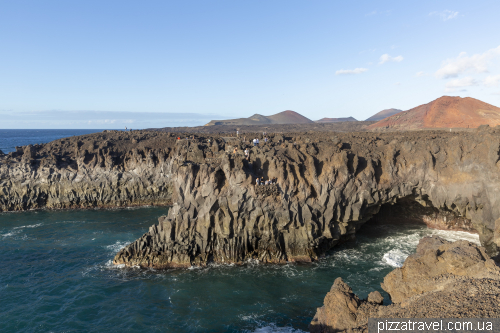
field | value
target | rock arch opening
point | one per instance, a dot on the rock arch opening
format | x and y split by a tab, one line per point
415	210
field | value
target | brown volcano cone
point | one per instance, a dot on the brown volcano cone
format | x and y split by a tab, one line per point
444	112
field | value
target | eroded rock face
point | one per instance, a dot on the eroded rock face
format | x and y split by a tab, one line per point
98	170
442	280
327	188
437	263
329	184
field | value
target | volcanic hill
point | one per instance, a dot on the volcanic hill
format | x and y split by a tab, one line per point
383	114
285	117
444	112
335	120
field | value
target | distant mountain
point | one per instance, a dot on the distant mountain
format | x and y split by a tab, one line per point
335	120
285	117
383	114
444	112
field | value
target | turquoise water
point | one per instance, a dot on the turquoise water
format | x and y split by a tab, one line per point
56	276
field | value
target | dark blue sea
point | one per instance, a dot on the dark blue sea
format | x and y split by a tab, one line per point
56	275
10	138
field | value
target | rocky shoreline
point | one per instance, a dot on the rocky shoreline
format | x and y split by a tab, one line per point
441	280
329	185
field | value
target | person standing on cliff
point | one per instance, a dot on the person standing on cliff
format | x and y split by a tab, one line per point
247	153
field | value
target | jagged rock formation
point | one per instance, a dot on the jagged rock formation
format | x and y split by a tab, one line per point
328	186
442	280
109	169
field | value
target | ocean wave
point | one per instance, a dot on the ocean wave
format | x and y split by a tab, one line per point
395	258
29	226
272	328
10	234
117	246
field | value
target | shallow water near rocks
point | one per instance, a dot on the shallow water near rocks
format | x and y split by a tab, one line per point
56	275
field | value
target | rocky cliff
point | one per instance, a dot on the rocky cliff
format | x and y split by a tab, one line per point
442	280
329	184
109	169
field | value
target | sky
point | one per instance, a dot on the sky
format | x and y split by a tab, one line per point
104	64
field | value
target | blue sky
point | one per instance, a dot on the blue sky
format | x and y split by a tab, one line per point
236	58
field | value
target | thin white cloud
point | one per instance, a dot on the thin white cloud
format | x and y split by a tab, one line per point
492	80
476	63
351	71
387	58
459	84
371	13
445	15
420	74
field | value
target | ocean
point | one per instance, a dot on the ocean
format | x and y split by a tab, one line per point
10	138
56	275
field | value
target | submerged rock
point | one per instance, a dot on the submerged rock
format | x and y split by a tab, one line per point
442	280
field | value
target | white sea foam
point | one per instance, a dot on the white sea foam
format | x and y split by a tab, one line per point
29	226
10	234
404	245
252	316
271	328
457	235
395	258
117	246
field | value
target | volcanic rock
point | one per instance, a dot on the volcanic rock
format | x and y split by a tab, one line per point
437	263
442	280
444	112
328	186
